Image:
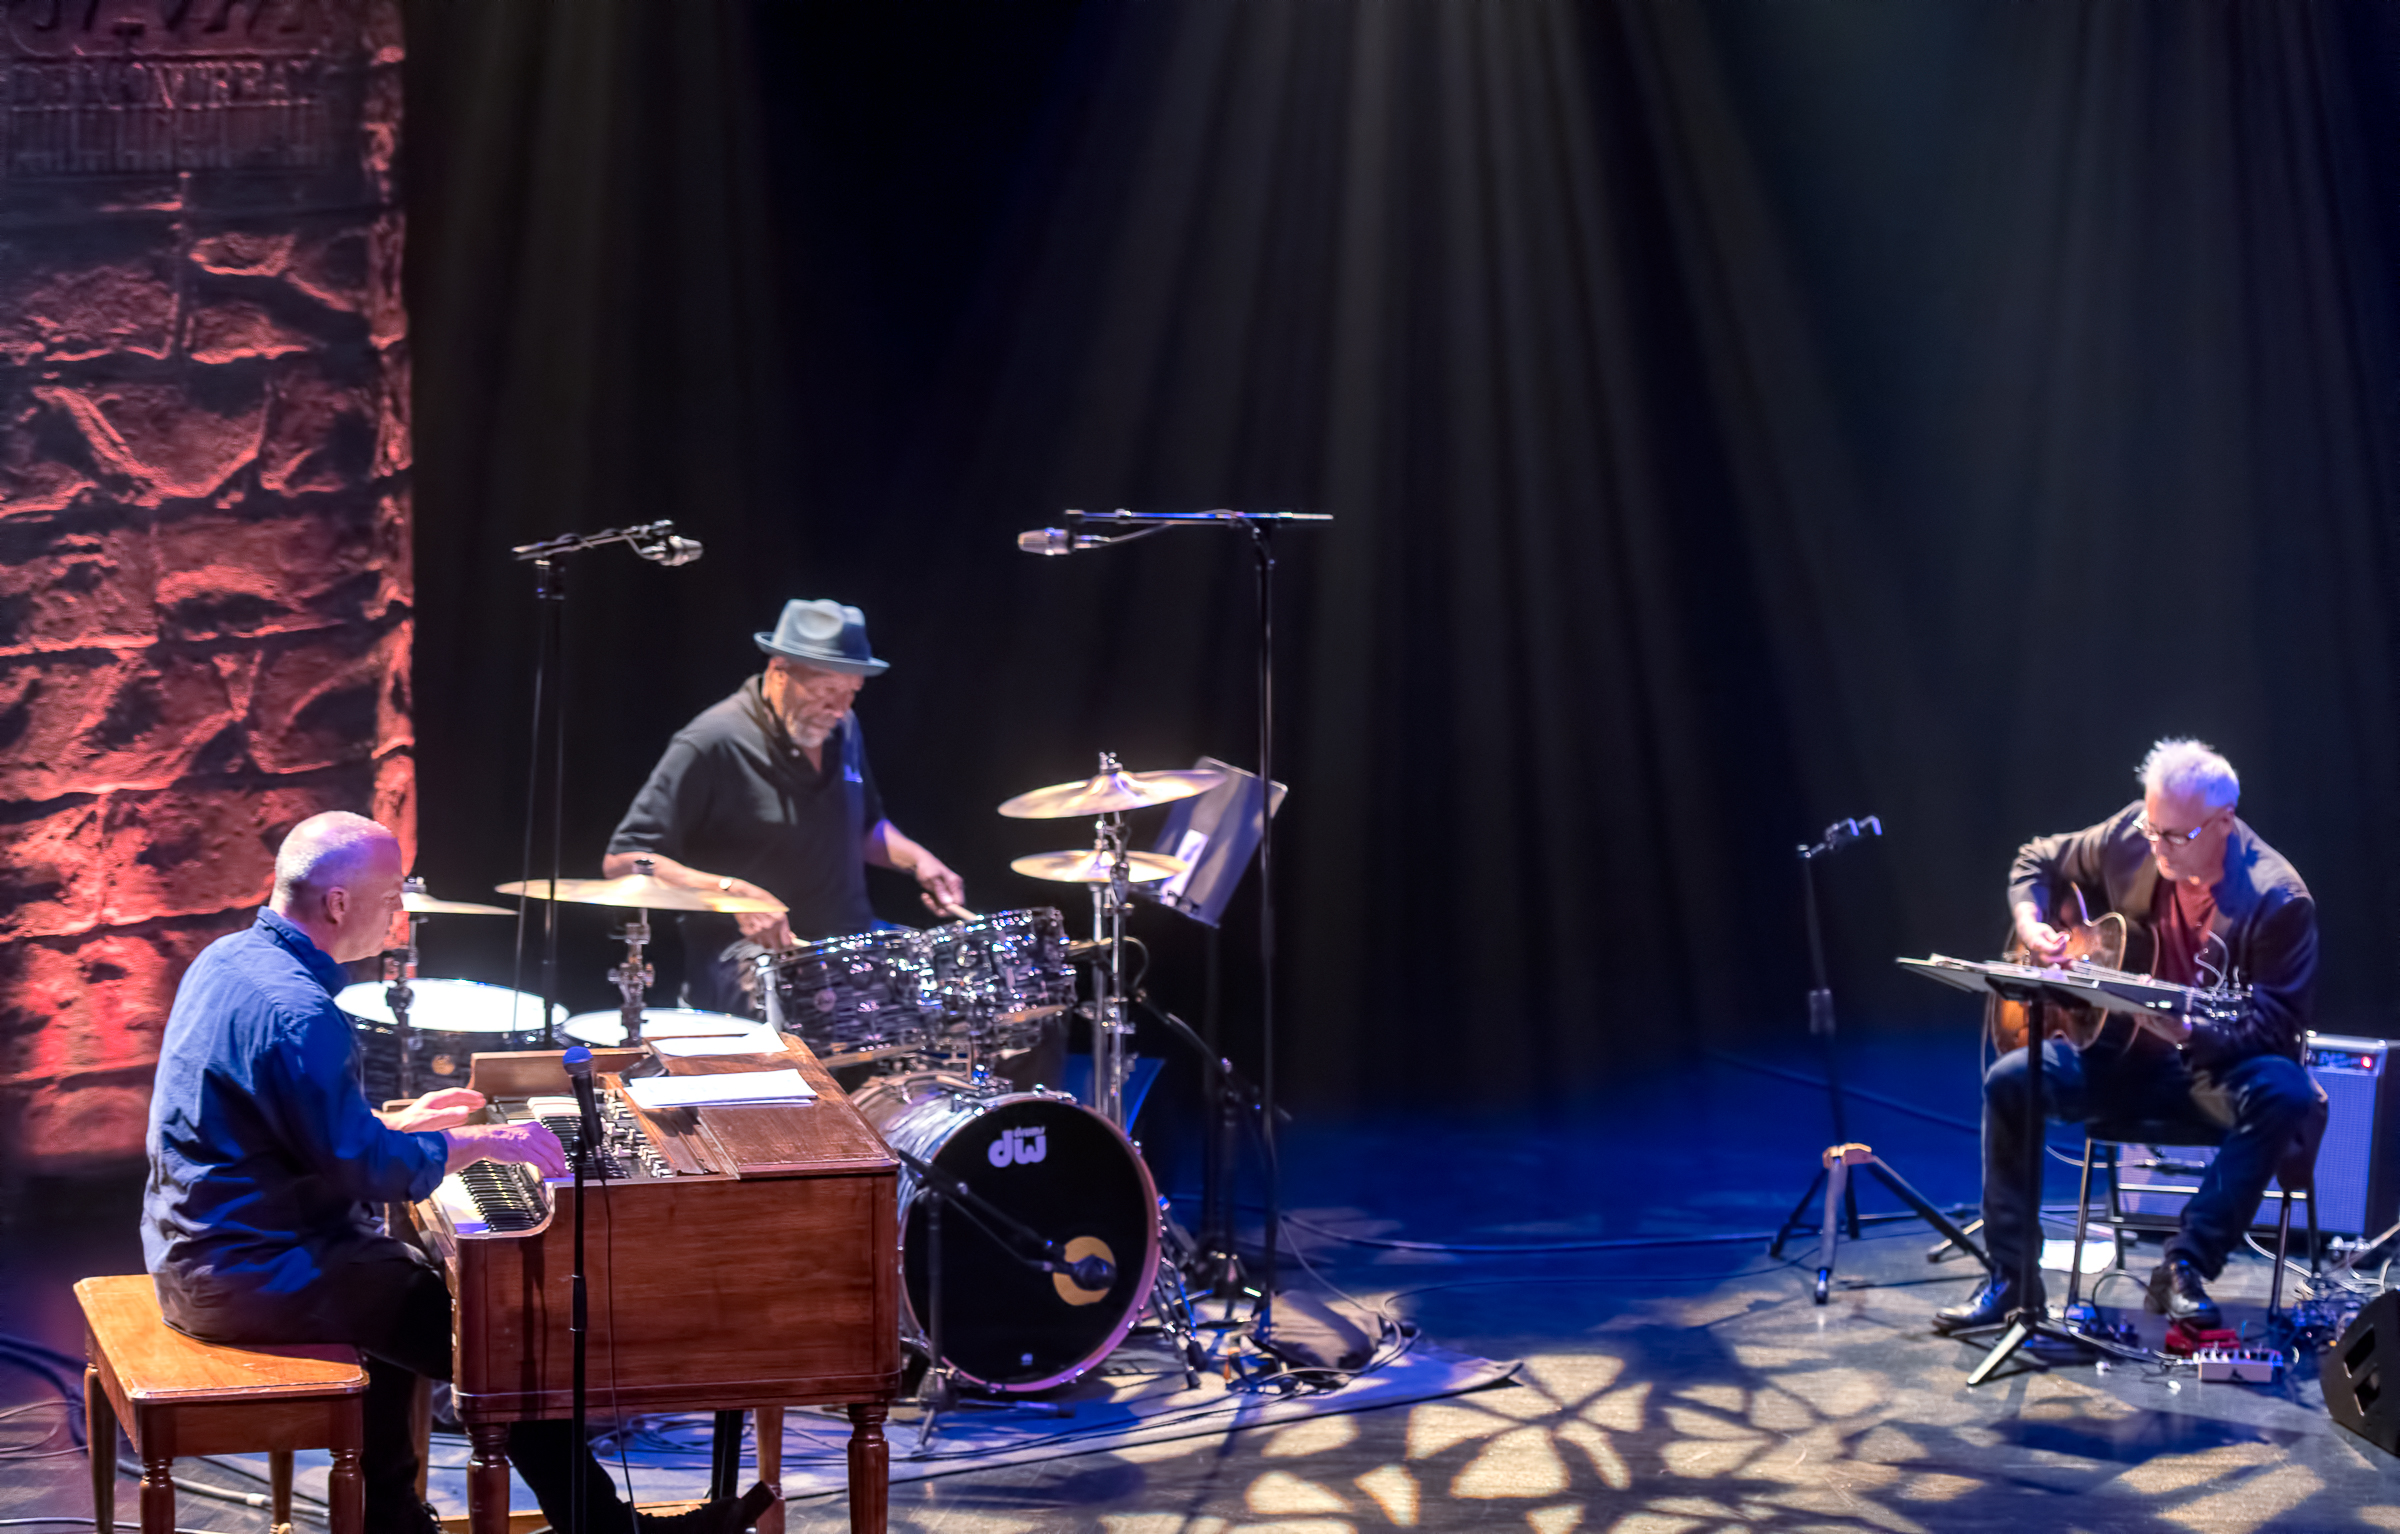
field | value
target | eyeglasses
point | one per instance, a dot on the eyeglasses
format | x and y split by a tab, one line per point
2173	838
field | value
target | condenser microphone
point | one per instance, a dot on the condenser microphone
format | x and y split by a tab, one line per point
670	550
1046	540
1843	832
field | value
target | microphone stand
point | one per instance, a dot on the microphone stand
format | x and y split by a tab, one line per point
1260	526
938	1187
578	1063
1834	1173
654	541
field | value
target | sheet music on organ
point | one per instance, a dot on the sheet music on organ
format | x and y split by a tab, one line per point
653	1093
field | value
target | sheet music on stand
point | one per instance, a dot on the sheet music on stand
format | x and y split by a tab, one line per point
2114	990
1216	833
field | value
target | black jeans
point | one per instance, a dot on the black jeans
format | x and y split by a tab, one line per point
386	1299
2259	1103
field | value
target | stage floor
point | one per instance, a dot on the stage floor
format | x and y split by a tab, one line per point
1684	1387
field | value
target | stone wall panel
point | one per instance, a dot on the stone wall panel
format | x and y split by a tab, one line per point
55	876
97	1001
73	294
75	581
162	442
197	851
205	584
94	721
316	699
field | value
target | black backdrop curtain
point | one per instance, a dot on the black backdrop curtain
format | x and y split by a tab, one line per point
1737	416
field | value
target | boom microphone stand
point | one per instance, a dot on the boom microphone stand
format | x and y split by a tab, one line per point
1260	526
1834	1166
653	541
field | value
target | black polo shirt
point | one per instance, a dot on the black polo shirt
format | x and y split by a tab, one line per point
733	795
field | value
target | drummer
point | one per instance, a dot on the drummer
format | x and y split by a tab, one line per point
768	792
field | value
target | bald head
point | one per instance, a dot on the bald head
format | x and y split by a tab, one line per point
337	878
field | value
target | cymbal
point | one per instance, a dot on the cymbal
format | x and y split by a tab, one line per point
646	891
1110	792
1089	867
416	904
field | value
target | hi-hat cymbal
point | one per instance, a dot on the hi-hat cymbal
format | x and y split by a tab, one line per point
1092	867
416	903
1110	792
646	891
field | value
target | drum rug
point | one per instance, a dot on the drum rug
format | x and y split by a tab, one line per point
1138	1396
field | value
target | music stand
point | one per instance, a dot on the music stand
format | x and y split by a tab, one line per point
2023	983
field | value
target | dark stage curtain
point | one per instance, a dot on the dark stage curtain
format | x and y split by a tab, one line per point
1737	416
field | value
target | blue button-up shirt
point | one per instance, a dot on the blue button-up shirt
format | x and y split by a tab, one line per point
264	1152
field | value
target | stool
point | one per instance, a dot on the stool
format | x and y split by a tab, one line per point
2296	1175
177	1395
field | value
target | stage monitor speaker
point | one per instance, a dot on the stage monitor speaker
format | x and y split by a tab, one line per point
2361	1375
2356	1189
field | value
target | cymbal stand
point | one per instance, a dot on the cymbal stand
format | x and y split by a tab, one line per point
1110	904
399	968
633	977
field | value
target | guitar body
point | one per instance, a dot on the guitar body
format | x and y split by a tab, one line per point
2098	943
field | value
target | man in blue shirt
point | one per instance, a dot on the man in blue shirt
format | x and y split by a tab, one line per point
267	1163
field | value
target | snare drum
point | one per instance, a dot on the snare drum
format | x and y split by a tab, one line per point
1002	975
607	1029
449	1022
854	993
1050	1163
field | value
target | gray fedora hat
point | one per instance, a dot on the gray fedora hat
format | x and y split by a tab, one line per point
824	634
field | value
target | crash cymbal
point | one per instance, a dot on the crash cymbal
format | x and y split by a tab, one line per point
1091	867
418	904
1110	792
646	891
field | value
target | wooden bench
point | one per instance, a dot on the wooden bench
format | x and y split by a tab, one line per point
177	1395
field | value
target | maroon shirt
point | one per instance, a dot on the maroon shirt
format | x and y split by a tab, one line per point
2179	918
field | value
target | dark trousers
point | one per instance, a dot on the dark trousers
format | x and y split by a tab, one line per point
386	1299
2258	1103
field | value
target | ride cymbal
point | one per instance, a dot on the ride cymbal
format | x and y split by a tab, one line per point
647	892
1093	867
417	903
1111	792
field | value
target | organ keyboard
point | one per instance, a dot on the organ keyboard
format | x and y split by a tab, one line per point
737	1258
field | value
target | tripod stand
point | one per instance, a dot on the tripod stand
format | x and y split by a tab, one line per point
1834	1174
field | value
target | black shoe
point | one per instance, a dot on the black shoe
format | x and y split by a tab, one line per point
2177	1293
1990	1305
726	1515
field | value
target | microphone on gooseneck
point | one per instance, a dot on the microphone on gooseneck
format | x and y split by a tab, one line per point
578	1062
671	550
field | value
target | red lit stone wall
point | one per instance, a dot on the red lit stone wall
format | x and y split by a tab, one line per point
204	516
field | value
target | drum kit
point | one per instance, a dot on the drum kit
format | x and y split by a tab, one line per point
927	1016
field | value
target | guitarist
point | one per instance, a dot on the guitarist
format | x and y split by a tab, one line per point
2201	896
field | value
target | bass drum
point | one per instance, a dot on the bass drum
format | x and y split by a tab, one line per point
1061	1169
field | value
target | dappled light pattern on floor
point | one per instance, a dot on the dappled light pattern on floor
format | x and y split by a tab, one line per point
1742	1407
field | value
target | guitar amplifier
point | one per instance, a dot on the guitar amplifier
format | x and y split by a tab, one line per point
2357	1191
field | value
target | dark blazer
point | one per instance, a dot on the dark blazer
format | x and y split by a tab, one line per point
2264	915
